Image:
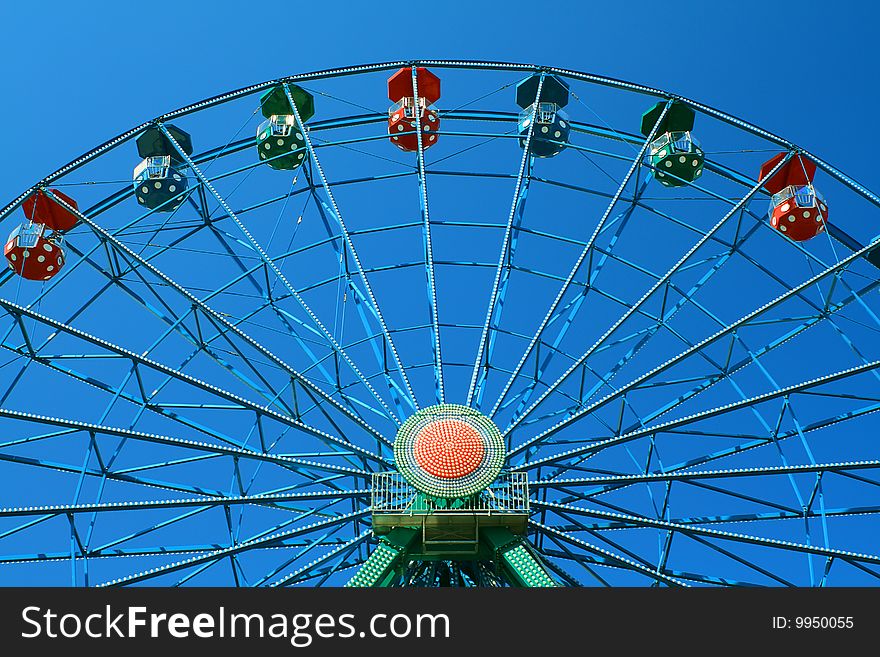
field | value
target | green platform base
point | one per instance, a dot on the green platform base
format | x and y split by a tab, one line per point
452	537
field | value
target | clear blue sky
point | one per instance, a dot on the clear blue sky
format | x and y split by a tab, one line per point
801	69
76	74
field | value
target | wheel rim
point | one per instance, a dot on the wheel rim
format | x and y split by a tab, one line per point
697	414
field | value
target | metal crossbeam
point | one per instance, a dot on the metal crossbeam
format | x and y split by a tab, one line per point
280	276
244	546
644	521
580	260
440	395
709	413
217	317
634	307
727	330
374	307
21	311
525	164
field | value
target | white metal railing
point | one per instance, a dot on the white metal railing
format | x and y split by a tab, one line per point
544	115
675	142
281	125
804	195
392	493
409	107
28	235
153	168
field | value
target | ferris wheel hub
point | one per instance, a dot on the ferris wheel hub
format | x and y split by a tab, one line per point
449	451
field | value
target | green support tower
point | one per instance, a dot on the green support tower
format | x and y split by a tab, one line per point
519	565
450	516
280	138
675	154
386	560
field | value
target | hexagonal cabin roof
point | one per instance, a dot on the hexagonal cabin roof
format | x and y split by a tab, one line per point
400	85
40	208
152	142
553	91
275	102
797	171
679	118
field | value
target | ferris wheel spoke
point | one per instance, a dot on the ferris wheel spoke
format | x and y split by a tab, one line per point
775	435
326	571
803	512
271	265
148	530
582	560
754	443
496	296
342	551
597	527
823	312
334	210
201	505
48	511
176	324
779	512
504	282
577	526
636	306
306	467
587	250
616	547
754	355
222	321
236	400
361	301
599	483
565	316
747	404
341	564
713	579
111	547
634	520
737	558
138	401
321	511
642	336
343	390
207	499
729	329
686	576
302	552
117	554
305	463
93	472
621	561
346	547
757	518
716	367
252	544
440	395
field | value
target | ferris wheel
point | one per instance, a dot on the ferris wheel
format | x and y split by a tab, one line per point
527	327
